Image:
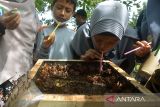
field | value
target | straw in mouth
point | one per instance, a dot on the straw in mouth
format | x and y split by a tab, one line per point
101	63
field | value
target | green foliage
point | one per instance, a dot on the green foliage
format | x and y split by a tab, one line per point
88	5
131	3
134	18
43	6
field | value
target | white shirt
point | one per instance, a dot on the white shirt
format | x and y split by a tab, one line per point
16	46
61	48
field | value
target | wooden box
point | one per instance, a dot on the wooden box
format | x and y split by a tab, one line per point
76	83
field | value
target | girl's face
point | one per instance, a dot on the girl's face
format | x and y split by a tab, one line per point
63	10
104	42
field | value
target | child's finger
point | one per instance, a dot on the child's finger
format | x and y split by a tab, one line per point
140	44
96	53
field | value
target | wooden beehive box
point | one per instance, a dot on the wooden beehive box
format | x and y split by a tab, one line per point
75	83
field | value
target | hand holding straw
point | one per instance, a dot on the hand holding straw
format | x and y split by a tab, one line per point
133	50
52	33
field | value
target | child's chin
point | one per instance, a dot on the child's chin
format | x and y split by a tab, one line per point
63	23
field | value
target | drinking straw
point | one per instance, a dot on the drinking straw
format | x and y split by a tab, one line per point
133	50
101	63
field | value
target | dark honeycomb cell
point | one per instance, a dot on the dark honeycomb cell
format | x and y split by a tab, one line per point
81	78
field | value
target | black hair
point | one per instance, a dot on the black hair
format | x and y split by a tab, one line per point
71	1
82	13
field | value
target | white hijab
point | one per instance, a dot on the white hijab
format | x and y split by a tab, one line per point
108	16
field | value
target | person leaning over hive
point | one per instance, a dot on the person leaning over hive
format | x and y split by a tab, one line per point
55	44
107	26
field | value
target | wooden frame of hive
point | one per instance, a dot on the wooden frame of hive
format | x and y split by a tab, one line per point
59	100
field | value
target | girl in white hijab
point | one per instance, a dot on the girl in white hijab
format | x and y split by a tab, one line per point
108	24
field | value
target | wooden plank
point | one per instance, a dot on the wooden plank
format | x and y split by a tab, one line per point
59	100
35	68
150	65
134	82
114	66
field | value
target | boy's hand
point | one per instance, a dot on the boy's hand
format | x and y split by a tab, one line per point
11	19
145	48
91	54
48	40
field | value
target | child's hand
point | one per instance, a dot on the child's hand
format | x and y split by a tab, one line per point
91	54
11	19
48	40
145	48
